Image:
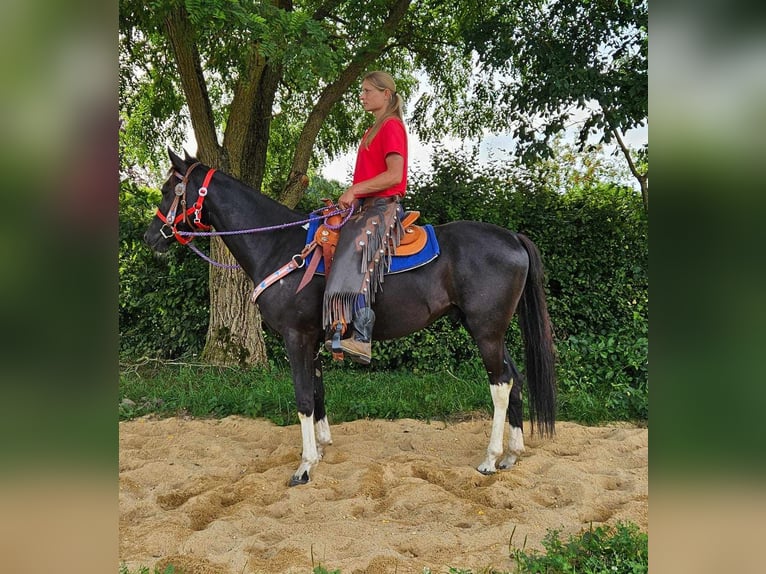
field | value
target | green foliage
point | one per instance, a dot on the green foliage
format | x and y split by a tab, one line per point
318	189
496	66
596	254
162	299
169	569
307	45
351	394
604	377
557	58
444	345
593	239
622	549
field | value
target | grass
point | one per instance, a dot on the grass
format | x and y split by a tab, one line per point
170	569
619	549
351	394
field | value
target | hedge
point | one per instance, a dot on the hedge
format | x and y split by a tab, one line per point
592	237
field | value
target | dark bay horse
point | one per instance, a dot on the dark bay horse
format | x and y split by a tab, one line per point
483	274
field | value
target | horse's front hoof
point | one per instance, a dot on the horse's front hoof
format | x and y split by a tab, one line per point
298	479
486	471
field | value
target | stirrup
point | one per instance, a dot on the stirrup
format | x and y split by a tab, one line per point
337	351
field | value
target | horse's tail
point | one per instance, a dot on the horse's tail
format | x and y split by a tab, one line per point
540	355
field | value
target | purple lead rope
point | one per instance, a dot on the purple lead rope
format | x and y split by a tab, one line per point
349	211
212	261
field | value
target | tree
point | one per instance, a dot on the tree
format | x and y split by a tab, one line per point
266	87
545	62
261	82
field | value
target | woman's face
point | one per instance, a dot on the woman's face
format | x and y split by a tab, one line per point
373	99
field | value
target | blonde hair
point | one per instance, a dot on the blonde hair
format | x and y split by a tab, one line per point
384	81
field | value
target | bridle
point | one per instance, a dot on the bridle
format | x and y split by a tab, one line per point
172	218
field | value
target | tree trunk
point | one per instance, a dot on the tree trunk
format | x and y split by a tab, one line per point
181	36
246	138
644	183
234	335
642	178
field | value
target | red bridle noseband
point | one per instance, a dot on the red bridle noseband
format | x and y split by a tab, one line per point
171	220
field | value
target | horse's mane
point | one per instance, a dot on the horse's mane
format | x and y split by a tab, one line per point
293	214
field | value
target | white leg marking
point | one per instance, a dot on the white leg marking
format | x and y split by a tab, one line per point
310	455
515	448
322	431
500	397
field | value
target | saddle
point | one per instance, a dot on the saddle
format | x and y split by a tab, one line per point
413	239
418	246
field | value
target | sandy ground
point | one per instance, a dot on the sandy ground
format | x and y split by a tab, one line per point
211	496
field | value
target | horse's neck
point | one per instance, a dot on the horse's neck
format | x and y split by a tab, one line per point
259	253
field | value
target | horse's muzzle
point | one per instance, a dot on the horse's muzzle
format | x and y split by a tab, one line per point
156	240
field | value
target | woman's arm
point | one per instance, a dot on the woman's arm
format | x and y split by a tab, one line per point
393	175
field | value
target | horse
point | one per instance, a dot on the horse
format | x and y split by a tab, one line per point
483	274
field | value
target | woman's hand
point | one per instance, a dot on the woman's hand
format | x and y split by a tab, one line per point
347	198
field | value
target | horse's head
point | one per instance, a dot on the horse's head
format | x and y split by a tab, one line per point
181	205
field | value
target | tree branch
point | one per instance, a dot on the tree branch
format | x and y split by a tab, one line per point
181	35
250	119
246	138
296	182
626	153
641	177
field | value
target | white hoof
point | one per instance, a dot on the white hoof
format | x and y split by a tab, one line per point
508	461
322	430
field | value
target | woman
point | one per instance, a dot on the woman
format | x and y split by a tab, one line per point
371	235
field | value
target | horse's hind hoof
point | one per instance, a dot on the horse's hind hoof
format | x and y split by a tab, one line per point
508	462
486	472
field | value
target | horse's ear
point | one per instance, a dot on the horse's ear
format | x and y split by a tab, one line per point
178	163
189	158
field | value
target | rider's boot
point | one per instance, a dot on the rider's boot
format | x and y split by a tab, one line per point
358	347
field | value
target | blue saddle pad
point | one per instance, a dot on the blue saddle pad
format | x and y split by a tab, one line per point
399	263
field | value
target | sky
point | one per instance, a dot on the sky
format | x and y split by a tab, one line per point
492	146
496	146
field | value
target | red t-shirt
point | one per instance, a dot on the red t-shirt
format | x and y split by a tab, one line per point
391	138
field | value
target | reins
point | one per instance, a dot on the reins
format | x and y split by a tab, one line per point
171	220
